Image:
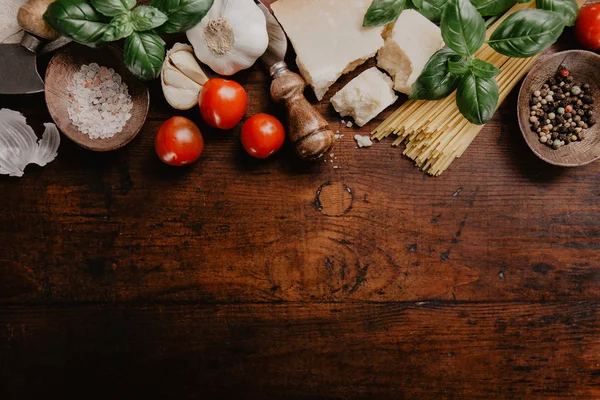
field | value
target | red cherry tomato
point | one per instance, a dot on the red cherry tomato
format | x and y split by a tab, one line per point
587	28
222	103
262	135
178	142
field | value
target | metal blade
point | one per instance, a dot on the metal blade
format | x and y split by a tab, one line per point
277	39
18	71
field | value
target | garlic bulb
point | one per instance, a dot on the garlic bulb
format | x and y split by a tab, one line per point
181	77
19	145
231	36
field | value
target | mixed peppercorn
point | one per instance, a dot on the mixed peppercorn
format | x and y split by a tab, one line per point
562	110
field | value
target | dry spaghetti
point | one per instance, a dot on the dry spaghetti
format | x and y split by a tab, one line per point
435	133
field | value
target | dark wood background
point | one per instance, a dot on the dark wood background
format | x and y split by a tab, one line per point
121	277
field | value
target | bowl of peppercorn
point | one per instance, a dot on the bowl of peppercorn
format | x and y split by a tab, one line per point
556	108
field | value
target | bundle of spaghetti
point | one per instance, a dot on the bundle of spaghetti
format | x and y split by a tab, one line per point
434	132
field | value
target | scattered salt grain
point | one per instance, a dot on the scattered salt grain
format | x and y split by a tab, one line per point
99	101
363	141
349	124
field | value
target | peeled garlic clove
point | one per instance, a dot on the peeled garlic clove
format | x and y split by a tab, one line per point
174	77
186	63
181	77
181	99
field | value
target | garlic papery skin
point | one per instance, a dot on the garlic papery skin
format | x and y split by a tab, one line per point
231	36
19	146
181	77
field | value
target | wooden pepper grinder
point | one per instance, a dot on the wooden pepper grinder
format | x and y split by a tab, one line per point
308	130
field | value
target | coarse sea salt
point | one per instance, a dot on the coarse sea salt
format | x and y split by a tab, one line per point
99	101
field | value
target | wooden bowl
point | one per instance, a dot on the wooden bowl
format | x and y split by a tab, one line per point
59	74
585	68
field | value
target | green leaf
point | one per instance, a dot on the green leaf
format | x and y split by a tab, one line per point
76	20
484	69
431	9
459	68
523	1
477	98
144	54
527	33
463	28
568	9
112	8
145	18
120	27
436	81
383	12
182	14
489	8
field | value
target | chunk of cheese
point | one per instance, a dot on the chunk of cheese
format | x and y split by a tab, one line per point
328	37
363	141
365	96
408	46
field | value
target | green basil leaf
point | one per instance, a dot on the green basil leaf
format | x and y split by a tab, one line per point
383	12
459	68
112	8
484	69
120	27
523	1
477	98
436	81
76	20
145	18
527	33
489	8
144	54
431	9
567	8
463	28
182	14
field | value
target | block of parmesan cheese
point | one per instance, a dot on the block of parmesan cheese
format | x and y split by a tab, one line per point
409	44
365	96
328	37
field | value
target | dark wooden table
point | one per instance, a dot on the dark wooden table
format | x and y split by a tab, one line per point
235	278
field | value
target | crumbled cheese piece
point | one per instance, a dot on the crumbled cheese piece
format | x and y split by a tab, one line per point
363	141
328	37
365	96
408	46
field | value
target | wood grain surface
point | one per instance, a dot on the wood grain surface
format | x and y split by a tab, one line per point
355	278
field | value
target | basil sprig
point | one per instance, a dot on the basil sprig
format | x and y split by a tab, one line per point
145	18
120	27
489	8
569	9
383	12
183	14
477	98
97	22
527	33
463	28
144	54
77	20
112	8
437	81
431	9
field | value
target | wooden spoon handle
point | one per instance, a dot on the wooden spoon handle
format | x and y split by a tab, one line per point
308	130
